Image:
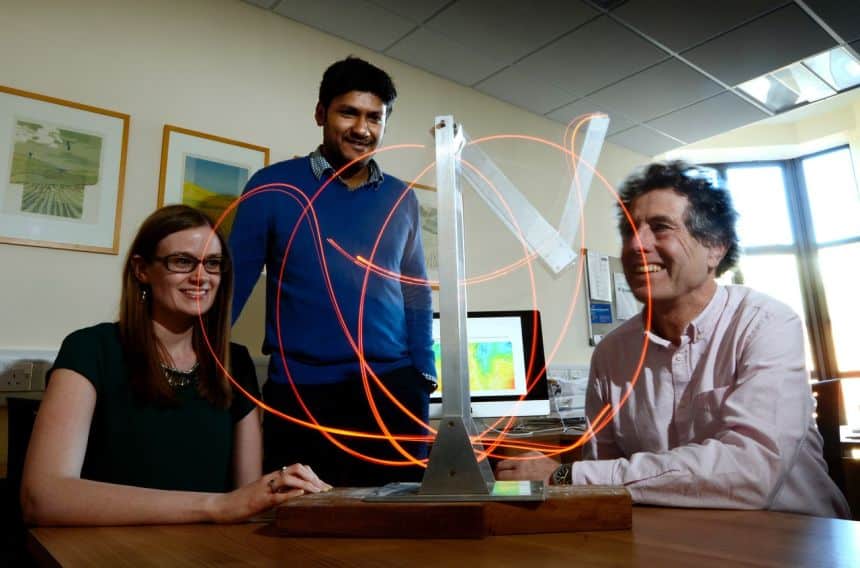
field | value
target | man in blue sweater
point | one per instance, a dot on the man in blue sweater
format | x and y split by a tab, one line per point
309	222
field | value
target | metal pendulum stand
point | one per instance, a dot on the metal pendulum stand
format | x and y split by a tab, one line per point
454	472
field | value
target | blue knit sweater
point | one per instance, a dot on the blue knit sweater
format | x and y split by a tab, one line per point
397	316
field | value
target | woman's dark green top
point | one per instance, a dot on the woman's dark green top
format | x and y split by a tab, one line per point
188	446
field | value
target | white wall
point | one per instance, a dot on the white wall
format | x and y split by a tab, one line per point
228	68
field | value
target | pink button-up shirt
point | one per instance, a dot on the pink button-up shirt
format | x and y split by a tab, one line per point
722	420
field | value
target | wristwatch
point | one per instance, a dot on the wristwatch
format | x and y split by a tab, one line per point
431	379
563	475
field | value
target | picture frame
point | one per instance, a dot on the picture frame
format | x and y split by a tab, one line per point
427	211
62	172
206	171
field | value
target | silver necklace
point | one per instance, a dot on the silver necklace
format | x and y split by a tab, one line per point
178	378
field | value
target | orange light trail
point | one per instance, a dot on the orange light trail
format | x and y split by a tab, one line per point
366	368
363	366
596	424
368	265
314	425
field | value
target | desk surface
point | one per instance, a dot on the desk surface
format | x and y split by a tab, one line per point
660	537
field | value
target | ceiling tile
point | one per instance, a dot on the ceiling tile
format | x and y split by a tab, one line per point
594	55
841	15
358	21
771	42
644	140
507	30
681	24
415	10
712	116
430	51
517	87
566	114
656	91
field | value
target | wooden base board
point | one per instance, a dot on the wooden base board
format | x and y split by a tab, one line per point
342	513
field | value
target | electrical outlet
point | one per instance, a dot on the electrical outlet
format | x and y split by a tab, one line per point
23	371
16	376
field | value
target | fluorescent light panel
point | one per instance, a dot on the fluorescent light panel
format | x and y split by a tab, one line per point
838	67
812	79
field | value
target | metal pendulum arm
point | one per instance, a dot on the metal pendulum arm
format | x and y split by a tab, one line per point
453	468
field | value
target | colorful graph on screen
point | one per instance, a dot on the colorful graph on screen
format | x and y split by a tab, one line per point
491	366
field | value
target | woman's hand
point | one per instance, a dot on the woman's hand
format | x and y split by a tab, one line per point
269	491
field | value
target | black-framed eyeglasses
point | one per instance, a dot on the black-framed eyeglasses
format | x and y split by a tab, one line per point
184	264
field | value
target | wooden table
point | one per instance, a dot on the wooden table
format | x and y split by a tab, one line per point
660	537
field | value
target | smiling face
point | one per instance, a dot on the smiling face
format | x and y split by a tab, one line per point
178	298
353	125
681	269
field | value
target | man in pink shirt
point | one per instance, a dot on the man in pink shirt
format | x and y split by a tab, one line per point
720	414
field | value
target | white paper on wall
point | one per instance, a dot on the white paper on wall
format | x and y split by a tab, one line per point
599	282
626	304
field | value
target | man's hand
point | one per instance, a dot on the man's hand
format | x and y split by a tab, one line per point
532	466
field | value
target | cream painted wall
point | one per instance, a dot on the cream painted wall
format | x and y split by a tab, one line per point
228	68
826	124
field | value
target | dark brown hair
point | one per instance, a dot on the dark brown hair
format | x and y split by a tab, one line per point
710	216
142	349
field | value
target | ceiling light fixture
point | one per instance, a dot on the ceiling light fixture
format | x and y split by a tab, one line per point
806	81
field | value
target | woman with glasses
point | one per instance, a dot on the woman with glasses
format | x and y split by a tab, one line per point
140	423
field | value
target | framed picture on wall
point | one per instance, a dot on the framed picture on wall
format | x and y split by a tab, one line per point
427	208
62	170
206	171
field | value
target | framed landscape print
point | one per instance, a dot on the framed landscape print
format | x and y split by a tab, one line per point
427	208
206	171
62	170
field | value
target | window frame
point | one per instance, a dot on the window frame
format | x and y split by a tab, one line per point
805	250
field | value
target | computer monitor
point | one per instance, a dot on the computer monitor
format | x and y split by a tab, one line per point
501	344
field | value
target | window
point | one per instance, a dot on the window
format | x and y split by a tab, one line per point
799	229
